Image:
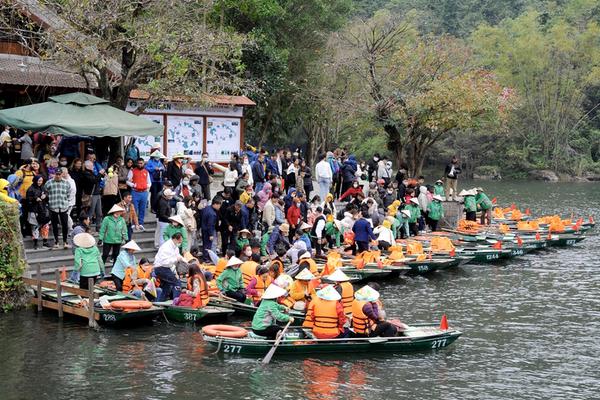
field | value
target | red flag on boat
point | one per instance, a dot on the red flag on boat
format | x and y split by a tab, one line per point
494	200
527	211
380	264
497	245
444	323
538	236
429	255
513	206
452	252
519	241
591	219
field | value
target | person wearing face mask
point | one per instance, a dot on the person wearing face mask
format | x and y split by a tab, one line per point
139	181
186	210
204	171
389	197
352	191
184	190
384	170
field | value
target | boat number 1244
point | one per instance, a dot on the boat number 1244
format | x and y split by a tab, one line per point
436	344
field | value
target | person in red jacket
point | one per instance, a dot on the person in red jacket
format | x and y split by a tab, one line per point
353	191
294	215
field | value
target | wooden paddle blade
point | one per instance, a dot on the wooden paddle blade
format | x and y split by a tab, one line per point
269	355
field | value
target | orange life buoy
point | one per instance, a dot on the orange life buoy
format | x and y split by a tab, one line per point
229	331
130	304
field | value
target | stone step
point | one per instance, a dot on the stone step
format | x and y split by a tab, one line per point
137	235
42	253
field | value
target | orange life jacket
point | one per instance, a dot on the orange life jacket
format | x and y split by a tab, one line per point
324	318
280	264
347	296
361	324
140	179
201	298
288	302
220	267
260	287
128	283
312	265
248	269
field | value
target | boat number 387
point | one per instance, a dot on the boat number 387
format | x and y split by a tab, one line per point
189	316
228	348
436	344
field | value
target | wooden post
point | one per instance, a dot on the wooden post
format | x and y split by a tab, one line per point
38	269
91	312
59	293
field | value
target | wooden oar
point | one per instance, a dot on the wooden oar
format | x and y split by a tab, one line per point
269	355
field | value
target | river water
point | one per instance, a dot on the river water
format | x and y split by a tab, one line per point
531	331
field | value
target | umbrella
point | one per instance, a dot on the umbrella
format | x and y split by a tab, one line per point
78	114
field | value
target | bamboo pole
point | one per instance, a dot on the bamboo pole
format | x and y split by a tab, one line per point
59	293
91	320
38	269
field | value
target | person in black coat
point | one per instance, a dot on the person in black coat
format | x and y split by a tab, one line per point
204	170
175	170
372	166
258	172
307	178
230	226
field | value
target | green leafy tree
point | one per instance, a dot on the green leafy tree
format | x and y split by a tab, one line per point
550	62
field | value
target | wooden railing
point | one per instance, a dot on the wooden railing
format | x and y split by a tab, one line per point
86	312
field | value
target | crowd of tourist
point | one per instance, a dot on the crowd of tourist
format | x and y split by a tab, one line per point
265	209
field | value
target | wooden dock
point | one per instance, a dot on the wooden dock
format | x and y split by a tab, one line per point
89	294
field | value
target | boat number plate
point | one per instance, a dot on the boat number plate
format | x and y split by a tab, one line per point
189	316
492	256
436	344
109	317
518	252
229	348
423	268
570	242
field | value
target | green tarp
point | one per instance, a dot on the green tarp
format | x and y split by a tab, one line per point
78	114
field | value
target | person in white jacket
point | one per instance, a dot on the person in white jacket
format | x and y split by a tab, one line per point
185	209
385	237
268	215
72	196
246	167
231	176
324	176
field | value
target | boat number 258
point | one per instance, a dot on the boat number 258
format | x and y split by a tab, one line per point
228	348
436	344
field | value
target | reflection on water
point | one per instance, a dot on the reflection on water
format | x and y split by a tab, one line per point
531	327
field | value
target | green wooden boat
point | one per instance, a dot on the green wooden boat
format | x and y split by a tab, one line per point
247	309
484	254
431	265
565	240
108	316
415	338
368	273
193	315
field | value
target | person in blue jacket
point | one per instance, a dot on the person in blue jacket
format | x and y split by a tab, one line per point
208	223
156	170
363	233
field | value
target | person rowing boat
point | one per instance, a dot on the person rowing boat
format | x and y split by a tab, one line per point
270	312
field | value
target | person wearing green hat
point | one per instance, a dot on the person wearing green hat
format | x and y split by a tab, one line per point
367	321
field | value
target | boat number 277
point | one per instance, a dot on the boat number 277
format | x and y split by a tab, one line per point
436	344
228	348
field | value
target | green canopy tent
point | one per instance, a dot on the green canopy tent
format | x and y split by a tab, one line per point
79	114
